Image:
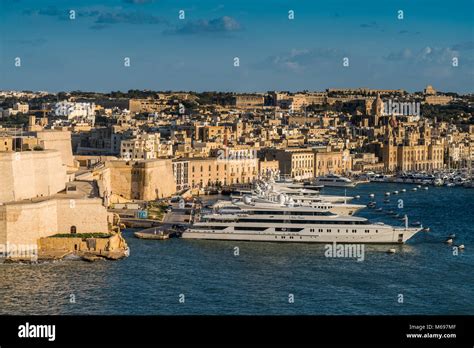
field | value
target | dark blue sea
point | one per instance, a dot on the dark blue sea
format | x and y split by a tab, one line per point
425	271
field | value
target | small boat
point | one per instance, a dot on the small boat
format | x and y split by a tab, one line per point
414	189
438	182
449	241
357	197
157	233
426	229
404	190
379	209
395	192
391	251
371	205
371	195
387	193
416	224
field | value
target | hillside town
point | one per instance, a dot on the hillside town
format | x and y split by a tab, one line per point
196	140
103	150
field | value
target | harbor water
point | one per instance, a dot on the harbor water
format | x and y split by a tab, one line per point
179	276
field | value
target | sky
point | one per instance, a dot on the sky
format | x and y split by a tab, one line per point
197	53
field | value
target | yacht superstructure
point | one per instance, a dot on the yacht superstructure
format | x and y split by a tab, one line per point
286	195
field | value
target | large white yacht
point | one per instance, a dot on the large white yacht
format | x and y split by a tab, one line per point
334	180
289	200
299	193
249	220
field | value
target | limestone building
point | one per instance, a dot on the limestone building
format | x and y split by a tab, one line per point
248	100
296	163
137	180
33	203
31	174
411	149
148	105
212	171
331	162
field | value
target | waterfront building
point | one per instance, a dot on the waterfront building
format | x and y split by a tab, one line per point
180	173
411	149
212	171
35	201
136	180
367	162
331	162
267	169
296	163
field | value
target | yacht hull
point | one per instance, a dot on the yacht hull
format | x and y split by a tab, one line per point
392	236
335	184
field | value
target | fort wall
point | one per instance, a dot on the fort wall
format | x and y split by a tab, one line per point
31	174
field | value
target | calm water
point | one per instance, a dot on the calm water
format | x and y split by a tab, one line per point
214	281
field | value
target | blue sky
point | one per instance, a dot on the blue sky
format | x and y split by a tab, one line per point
197	53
